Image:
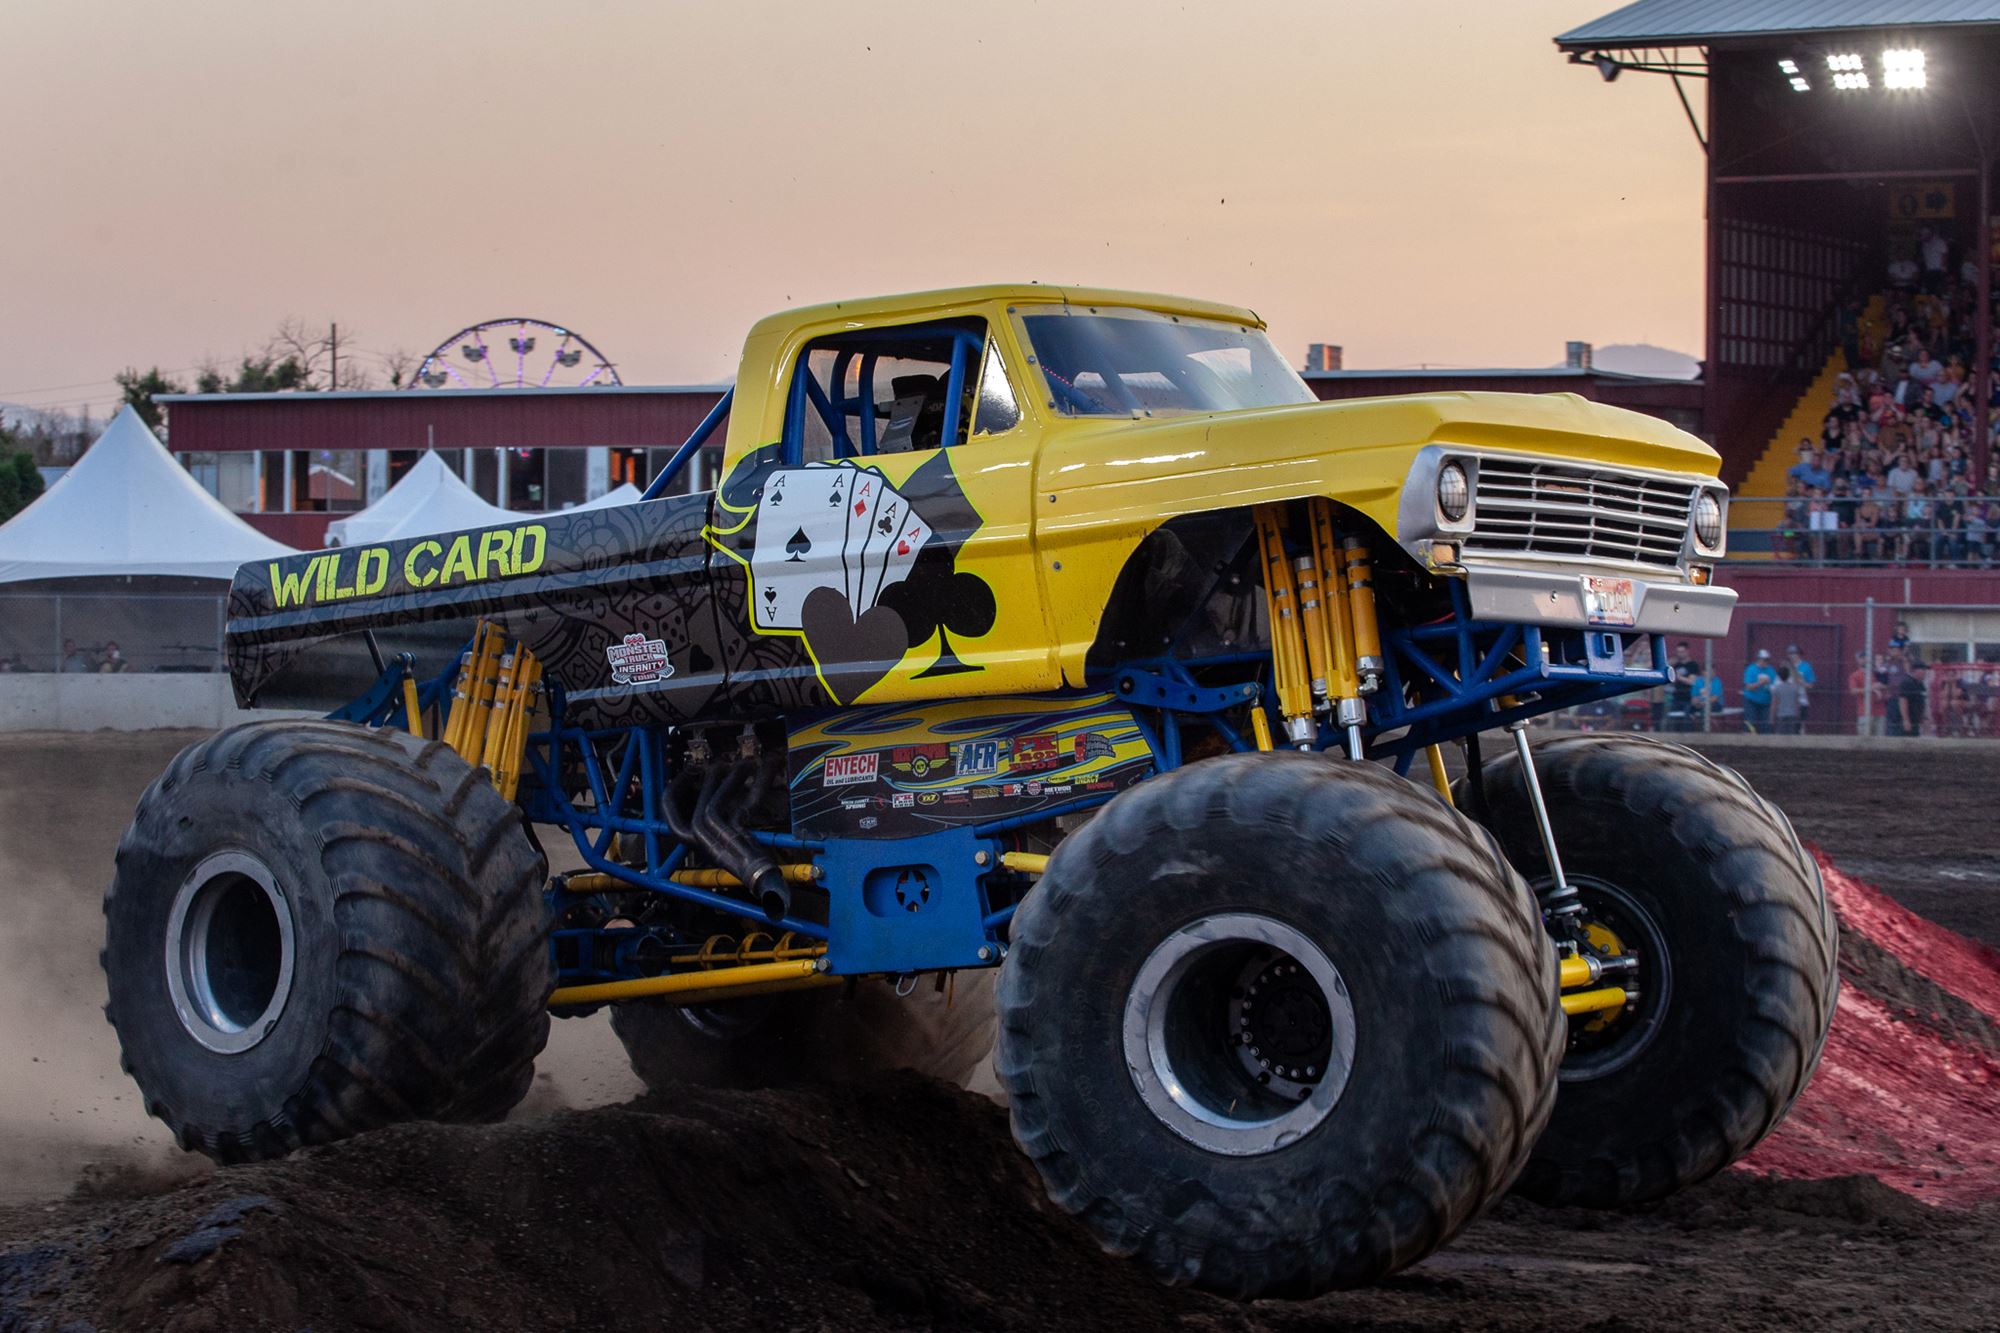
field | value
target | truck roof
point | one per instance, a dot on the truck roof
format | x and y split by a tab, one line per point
916	303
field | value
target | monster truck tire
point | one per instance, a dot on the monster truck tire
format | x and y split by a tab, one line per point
1436	994
1681	849
316	929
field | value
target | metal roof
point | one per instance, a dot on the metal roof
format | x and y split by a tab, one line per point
1492	373
362	395
1667	23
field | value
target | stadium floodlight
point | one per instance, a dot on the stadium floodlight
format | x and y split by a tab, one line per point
1843	64
1799	85
1850	82
1904	69
1788	67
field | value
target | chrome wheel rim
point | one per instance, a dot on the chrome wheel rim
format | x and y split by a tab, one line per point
230	950
1239	1034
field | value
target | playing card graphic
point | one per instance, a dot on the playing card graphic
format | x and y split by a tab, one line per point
801	537
901	553
841	527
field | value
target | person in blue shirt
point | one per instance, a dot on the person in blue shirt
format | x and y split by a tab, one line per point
1802	672
1758	677
1708	698
1809	472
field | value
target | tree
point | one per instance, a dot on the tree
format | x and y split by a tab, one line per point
139	391
20	480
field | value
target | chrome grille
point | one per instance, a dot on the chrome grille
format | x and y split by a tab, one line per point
1571	512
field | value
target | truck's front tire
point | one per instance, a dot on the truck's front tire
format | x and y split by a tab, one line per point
1277	1023
315	929
1678	861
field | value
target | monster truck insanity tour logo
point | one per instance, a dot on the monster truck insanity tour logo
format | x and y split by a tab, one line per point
638	660
470	557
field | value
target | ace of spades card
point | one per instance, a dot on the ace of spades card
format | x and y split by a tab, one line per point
840	526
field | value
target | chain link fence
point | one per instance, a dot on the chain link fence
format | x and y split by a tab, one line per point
111	631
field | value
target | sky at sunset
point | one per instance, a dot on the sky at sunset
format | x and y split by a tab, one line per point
1424	182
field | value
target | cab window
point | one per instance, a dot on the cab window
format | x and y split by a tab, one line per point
895	390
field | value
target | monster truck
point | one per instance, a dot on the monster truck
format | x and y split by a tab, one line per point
1053	631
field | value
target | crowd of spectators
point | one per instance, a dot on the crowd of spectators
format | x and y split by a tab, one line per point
103	657
1894	693
1891	478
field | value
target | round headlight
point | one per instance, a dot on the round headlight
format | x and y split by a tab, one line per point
1708	520
1454	493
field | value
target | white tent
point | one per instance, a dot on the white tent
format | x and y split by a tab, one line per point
128	508
621	495
430	498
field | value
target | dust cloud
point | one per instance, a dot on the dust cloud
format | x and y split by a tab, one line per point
68	1114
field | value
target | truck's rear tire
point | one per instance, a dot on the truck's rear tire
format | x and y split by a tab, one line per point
1679	861
1276	1023
316	929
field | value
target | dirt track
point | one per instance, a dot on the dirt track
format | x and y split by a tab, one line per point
896	1206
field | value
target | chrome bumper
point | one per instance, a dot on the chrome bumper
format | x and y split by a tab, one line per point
1555	597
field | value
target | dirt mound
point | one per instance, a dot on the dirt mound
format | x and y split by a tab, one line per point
1908	1090
900	1205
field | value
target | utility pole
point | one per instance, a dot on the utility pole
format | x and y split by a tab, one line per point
333	345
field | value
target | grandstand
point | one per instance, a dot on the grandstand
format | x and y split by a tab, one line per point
1850	157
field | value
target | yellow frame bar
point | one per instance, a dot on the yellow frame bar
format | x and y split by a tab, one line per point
726	979
1593	1001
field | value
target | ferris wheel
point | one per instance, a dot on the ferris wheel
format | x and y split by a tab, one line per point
514	354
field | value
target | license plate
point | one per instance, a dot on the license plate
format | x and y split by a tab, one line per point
1607	601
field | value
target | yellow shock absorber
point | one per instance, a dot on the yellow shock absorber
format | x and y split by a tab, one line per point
511	717
473	668
1361	601
1030	863
413	713
487	747
1312	625
489	693
1345	682
1288	655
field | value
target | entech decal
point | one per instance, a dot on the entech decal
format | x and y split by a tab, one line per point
843	770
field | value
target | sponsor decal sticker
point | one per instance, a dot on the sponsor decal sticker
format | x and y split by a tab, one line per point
638	660
845	770
977	759
869	823
919	761
903	800
1093	745
1034	753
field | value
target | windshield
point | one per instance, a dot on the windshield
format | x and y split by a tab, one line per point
1133	363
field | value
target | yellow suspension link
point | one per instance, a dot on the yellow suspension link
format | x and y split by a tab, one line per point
1593	1001
1260	726
702	984
413	713
1439	778
1028	863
